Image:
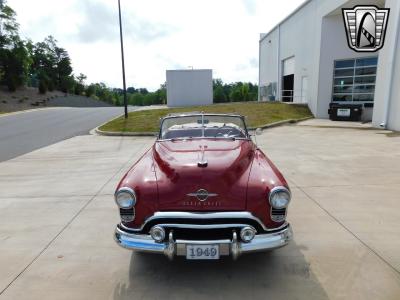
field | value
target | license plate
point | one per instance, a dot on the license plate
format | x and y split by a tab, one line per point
343	112
202	251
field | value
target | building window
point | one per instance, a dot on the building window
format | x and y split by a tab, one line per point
354	80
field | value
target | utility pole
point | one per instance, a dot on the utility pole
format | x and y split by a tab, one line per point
122	59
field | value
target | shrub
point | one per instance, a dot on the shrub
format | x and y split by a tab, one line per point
42	87
12	84
50	86
79	89
67	85
90	90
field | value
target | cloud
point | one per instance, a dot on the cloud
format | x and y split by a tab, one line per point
250	6
252	63
100	23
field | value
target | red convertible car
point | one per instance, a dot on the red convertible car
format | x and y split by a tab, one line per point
202	191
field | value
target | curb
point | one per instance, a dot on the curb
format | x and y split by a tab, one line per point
119	133
122	133
279	123
152	134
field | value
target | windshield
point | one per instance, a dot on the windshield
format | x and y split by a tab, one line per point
208	126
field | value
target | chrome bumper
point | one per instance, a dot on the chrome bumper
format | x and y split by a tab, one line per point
233	247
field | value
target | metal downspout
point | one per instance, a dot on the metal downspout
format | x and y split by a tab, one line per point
387	99
278	90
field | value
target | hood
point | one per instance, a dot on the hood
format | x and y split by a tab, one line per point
188	170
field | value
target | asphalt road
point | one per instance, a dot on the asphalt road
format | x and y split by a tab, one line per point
27	131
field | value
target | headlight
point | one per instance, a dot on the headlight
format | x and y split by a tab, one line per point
125	198
279	197
157	233
247	234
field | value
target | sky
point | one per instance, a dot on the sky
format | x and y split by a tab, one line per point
159	35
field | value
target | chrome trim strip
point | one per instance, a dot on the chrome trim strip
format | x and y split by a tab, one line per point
261	242
202	216
206	226
203	242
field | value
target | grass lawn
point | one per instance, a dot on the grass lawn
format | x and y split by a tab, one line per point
257	114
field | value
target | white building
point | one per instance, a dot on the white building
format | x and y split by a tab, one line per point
189	87
306	59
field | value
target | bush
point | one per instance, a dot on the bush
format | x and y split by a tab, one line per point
67	85
42	87
219	95
90	90
79	89
50	86
136	99
149	99
12	84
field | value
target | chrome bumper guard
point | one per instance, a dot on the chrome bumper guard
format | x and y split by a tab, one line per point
261	242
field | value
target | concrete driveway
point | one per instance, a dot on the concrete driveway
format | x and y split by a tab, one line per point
57	217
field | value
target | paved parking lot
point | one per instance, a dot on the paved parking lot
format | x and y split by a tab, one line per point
57	217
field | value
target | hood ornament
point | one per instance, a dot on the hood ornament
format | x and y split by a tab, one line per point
202	195
202	162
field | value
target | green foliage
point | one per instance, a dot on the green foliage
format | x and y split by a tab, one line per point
51	62
136	99
9	26
43	86
79	89
14	56
67	84
14	64
218	90
90	90
234	92
81	78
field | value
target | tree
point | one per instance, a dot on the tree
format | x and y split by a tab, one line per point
81	78
161	94
14	56
8	26
245	92
143	91
219	95
136	99
131	90
236	94
90	90
67	84
218	91
149	99
80	84
63	65
42	87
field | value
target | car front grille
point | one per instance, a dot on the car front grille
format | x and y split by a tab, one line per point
278	215
203	234
202	224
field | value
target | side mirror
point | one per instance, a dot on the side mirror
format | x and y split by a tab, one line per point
259	131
